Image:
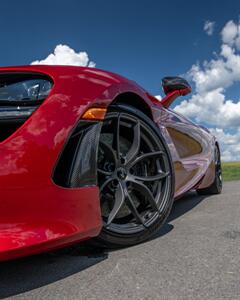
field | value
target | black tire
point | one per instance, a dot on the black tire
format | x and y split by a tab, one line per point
135	177
216	186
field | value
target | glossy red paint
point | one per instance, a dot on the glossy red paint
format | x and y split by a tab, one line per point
37	215
170	97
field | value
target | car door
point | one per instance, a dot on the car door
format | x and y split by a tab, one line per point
188	147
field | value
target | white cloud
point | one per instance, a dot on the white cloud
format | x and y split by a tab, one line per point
212	108
64	55
209	27
229	32
209	104
230	144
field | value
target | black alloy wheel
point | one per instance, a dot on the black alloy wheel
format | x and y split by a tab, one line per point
135	177
218	170
216	186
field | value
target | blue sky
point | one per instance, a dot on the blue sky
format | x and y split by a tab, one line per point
144	41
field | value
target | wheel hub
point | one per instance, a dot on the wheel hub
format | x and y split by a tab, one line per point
121	173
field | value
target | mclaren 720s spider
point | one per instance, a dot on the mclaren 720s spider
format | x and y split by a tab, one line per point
88	154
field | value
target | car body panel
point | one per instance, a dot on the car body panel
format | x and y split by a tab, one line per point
36	214
192	151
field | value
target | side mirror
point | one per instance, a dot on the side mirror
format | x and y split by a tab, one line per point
171	84
174	87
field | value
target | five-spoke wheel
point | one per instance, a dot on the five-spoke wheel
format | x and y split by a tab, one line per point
135	177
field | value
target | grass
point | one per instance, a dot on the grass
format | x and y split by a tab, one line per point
231	171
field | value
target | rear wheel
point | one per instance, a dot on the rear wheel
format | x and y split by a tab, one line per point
135	178
216	187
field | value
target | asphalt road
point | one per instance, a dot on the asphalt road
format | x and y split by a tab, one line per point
195	256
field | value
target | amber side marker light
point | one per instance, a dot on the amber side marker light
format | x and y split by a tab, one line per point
96	113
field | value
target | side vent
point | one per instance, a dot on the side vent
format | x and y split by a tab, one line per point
77	165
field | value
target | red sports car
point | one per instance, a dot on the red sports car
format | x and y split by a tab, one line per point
86	153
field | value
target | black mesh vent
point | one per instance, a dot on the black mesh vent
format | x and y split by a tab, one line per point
77	165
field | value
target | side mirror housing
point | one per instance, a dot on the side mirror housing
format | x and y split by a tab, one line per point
171	84
174	87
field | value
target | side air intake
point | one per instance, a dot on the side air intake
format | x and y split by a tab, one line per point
77	165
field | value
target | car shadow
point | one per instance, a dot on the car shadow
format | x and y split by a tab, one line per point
185	204
180	207
22	275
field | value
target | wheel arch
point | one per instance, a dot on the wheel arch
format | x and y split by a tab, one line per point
134	100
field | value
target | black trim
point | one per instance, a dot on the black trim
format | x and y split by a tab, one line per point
173	83
16	113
